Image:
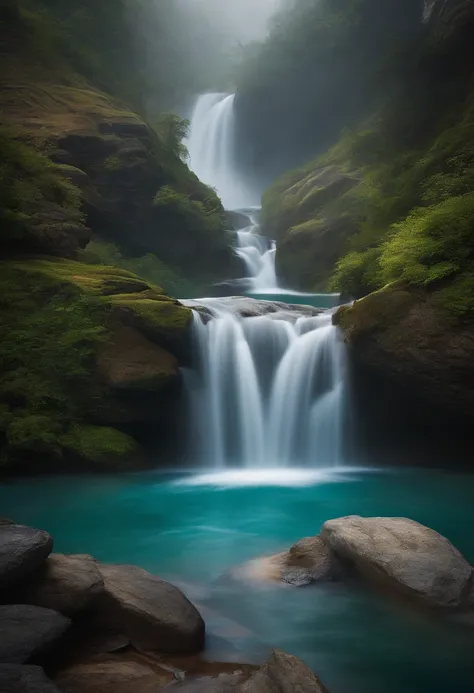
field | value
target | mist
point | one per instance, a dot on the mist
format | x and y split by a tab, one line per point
240	21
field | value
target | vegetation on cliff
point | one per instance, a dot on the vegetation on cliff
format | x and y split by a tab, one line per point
80	161
56	317
392	200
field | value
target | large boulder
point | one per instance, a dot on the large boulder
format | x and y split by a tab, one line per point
130	361
154	614
402	337
111	676
68	584
22	551
24	679
406	556
283	673
28	631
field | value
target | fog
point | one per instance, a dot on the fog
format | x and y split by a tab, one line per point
239	20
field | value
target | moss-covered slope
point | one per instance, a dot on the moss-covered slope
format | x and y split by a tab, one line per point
79	343
77	158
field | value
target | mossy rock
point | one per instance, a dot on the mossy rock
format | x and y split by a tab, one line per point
377	311
101	447
128	361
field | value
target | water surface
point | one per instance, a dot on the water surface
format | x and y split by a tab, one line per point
194	529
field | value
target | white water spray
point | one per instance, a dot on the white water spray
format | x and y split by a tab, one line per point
270	390
212	150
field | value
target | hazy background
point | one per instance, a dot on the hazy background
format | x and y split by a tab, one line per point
240	20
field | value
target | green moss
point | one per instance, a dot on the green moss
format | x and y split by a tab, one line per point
382	308
161	317
99	444
458	298
51	332
30	188
149	266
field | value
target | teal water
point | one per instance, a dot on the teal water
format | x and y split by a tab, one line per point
300	299
194	534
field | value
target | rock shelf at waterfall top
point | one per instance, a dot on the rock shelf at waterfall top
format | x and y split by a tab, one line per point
247	307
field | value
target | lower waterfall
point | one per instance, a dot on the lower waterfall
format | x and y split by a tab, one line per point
268	389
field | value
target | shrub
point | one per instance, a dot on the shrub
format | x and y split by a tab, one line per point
432	243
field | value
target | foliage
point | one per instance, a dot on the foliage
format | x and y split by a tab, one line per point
432	243
50	333
99	444
204	216
29	184
173	130
148	266
356	273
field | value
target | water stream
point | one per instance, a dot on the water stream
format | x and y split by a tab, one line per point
269	390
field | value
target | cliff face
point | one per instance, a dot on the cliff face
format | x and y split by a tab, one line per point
391	205
114	164
90	353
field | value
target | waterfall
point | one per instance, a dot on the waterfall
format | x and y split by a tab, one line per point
258	255
212	150
269	390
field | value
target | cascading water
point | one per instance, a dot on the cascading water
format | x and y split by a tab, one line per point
211	145
212	150
269	390
258	255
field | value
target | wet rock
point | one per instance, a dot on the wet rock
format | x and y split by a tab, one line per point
154	614
283	673
24	679
226	683
404	555
68	584
112	676
310	560
22	551
27	631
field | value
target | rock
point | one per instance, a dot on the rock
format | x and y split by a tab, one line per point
67	584
310	560
283	673
313	555
404	555
111	676
153	613
401	337
237	221
225	683
24	679
27	631
22	550
131	361
250	308
298	212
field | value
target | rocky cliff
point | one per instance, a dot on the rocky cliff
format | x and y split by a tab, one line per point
90	353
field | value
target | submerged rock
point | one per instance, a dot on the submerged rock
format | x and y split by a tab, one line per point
28	631
406	556
24	679
154	614
113	676
310	560
67	584
22	551
246	307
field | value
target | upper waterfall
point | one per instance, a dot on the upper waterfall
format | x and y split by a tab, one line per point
212	150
